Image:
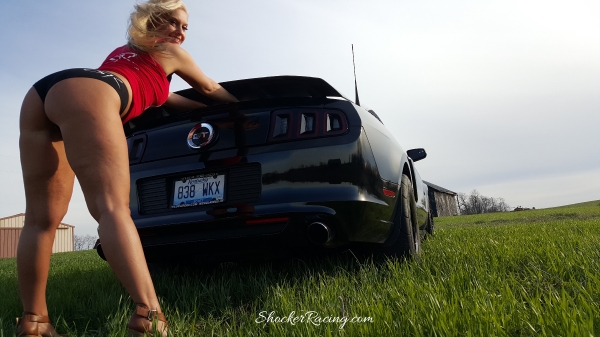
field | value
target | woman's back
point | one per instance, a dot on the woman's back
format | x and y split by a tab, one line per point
148	81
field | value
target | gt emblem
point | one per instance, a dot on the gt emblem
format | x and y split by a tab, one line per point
200	136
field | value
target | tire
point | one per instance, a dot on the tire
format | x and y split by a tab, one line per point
408	242
430	224
98	248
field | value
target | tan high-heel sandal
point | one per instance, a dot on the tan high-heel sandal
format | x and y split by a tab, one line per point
29	326
140	330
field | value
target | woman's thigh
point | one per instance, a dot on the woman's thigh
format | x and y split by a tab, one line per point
47	176
87	113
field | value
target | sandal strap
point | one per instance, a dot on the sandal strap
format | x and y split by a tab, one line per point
24	324
144	311
36	318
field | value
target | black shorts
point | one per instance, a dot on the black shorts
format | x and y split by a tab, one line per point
43	86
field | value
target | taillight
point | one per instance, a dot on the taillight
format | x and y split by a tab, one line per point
295	124
389	193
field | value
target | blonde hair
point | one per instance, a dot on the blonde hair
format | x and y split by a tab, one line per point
145	20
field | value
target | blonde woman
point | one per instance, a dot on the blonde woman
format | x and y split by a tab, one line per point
71	125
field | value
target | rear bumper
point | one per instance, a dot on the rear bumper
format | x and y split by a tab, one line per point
224	238
268	229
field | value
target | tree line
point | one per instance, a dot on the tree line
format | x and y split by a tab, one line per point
475	203
84	242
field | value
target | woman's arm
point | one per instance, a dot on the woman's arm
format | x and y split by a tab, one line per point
181	63
179	102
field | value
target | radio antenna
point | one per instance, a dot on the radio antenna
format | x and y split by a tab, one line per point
355	85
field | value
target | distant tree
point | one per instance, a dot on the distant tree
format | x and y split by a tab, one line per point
84	242
476	203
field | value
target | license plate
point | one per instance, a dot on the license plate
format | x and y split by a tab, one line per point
199	190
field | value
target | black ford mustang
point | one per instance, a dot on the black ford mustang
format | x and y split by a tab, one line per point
292	166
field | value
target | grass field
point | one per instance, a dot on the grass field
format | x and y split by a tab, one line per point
506	274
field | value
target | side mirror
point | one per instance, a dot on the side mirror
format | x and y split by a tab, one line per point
416	154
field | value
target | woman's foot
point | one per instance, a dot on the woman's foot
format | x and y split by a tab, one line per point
141	322
31	325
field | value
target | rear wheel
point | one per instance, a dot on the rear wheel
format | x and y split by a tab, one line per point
98	248
408	242
430	223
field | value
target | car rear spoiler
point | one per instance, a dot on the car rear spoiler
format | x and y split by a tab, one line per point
264	88
276	88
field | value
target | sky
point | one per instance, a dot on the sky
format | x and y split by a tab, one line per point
503	95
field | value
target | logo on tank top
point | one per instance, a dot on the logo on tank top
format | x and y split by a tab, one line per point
129	57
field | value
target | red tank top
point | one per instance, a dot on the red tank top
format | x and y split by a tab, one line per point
148	81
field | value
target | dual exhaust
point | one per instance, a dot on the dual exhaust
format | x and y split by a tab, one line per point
319	233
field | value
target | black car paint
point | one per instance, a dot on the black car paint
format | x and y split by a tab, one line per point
338	180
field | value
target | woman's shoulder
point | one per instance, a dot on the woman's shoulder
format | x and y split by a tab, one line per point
172	58
172	49
173	54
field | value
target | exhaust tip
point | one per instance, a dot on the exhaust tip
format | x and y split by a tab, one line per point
319	233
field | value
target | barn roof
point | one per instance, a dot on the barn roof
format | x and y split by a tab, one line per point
13	216
62	224
438	188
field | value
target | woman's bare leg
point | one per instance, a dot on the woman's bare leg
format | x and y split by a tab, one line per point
97	151
86	111
48	181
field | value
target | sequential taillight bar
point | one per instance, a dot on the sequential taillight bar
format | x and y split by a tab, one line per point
301	123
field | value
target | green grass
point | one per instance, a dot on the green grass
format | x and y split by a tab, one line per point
523	273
